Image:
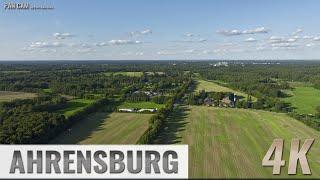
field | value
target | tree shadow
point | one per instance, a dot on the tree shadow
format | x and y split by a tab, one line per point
84	128
174	124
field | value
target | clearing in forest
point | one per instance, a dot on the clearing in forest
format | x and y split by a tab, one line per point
131	74
212	86
75	105
304	99
6	96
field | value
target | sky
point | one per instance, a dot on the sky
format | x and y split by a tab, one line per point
161	30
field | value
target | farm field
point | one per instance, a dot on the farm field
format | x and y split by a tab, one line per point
231	143
305	99
131	74
14	72
75	105
104	128
141	105
211	86
6	96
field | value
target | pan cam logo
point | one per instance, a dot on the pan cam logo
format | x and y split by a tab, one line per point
13	6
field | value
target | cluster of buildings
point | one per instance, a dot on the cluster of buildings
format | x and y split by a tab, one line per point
225	64
228	101
148	93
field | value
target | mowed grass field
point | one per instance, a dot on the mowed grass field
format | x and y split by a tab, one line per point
6	96
104	128
75	105
141	105
131	74
231	143
305	99
211	86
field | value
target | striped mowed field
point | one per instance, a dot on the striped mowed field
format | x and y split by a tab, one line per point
231	143
104	128
210	86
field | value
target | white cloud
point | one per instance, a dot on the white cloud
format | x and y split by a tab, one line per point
123	42
207	51
101	44
284	45
139	53
296	37
316	38
189	35
42	44
250	39
310	45
298	31
234	32
307	37
85	50
166	53
276	39
292	40
200	40
190	51
142	32
62	35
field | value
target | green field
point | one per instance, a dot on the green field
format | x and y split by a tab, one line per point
141	105
211	86
6	96
75	105
304	99
15	72
231	143
131	74
48	90
104	128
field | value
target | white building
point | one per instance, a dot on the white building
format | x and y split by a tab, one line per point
126	110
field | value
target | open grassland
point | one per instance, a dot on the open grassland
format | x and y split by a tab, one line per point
211	86
142	105
75	105
231	143
14	72
304	99
131	74
6	96
104	128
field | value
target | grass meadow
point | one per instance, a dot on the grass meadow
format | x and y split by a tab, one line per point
105	128
6	96
75	105
231	143
304	99
212	86
131	74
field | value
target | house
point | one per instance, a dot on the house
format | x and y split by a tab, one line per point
208	101
126	110
229	101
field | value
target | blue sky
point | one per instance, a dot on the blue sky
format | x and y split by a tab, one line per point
161	29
